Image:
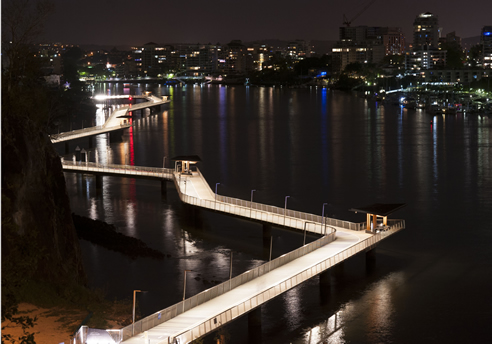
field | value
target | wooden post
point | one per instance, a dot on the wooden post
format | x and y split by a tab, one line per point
368	221
374	222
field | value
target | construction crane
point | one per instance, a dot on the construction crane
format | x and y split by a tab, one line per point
348	22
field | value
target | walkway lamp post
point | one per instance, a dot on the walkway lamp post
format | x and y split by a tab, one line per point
184	288
133	318
305	223
251	203
215	205
285	208
323	216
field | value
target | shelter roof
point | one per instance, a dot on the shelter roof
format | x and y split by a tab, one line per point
194	158
382	209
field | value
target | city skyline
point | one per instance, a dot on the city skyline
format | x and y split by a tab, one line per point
128	23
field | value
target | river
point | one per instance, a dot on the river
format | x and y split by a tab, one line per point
431	282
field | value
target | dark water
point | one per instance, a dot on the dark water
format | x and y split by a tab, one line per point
431	283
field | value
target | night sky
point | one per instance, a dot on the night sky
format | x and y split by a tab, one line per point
132	22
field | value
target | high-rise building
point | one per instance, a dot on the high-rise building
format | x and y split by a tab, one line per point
426	53
393	40
486	41
426	31
366	44
298	50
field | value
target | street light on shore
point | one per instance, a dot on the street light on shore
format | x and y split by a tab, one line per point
251	203
285	208
305	223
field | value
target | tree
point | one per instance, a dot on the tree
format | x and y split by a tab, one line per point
71	58
22	22
34	200
353	68
474	55
454	55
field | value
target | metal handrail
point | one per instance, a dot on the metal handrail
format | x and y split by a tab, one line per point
207	295
158	172
280	287
175	310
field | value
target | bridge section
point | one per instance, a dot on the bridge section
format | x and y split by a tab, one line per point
116	121
193	189
198	315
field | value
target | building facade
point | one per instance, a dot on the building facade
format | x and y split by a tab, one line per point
426	53
463	76
426	31
365	44
486	41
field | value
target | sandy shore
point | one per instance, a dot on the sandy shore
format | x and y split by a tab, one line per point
52	326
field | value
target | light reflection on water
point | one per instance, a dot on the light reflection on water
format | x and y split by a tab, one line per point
319	147
375	309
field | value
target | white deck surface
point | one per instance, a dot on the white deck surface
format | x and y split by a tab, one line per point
196	186
244	292
114	122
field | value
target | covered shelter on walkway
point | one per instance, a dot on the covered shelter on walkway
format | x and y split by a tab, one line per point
376	210
185	161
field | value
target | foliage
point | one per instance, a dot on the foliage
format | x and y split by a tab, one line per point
18	265
354	67
454	55
345	82
303	66
273	77
22	21
222	336
474	55
71	58
28	109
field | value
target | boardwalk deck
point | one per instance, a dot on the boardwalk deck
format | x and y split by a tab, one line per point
210	309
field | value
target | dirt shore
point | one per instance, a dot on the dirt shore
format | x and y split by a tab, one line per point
55	325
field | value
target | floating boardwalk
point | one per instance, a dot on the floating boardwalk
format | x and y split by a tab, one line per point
117	120
214	307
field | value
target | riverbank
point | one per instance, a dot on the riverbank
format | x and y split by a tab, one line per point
57	324
59	313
